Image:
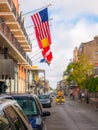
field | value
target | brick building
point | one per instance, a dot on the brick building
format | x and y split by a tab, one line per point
90	50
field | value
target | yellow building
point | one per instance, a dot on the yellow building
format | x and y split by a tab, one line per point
38	82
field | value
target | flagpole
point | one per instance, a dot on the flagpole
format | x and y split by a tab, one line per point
31	53
30	34
36	10
36	60
34	63
35	54
33	39
34	46
33	25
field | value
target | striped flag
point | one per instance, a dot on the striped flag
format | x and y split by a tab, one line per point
42	29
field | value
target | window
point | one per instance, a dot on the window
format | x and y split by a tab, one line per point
39	105
28	105
4	123
13	117
21	112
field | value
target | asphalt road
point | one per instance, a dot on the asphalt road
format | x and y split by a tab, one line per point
72	116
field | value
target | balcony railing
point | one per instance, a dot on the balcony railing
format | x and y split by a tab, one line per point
20	20
12	6
6	31
29	60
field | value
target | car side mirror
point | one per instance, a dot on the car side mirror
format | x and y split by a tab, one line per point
46	113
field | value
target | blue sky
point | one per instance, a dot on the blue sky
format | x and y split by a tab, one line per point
74	22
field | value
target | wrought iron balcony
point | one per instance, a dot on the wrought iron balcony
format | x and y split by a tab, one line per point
6	31
18	18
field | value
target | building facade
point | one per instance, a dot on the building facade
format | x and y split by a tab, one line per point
90	50
14	45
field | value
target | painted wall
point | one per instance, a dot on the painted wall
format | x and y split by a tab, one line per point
21	78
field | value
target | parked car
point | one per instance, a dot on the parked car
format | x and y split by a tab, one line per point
12	116
5	96
33	110
45	100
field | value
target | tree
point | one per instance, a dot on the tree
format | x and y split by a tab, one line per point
79	71
92	84
68	72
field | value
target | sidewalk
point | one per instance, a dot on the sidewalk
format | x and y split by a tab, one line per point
93	102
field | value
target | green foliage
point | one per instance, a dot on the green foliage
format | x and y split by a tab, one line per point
89	84
79	71
94	84
97	88
68	71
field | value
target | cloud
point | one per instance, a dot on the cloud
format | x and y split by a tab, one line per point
74	22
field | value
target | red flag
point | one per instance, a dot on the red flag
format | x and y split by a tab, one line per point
47	54
49	57
42	29
45	50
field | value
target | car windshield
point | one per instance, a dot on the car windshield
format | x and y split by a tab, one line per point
28	105
43	96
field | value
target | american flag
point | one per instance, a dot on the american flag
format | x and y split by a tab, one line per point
41	27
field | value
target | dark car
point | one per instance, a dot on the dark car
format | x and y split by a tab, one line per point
45	100
12	116
33	110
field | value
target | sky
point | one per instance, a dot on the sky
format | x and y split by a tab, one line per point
72	22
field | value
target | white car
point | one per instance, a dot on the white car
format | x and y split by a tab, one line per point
12	116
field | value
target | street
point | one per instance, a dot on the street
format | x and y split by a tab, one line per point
72	116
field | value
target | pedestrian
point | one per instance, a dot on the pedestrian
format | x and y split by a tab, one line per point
82	96
79	96
87	99
71	93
